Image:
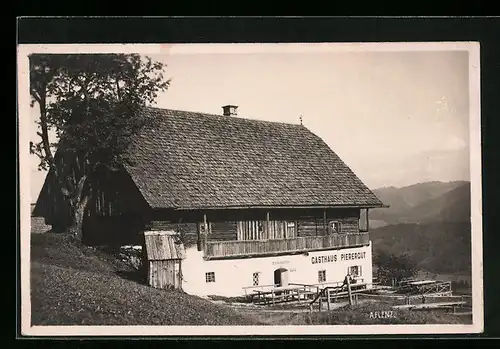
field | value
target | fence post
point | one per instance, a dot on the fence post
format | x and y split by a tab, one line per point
328	298
349	294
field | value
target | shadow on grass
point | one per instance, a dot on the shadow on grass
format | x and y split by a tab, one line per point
133	275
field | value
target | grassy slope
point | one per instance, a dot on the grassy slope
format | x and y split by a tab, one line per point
76	285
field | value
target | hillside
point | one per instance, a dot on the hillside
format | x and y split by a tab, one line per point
424	203
440	247
77	285
429	221
452	206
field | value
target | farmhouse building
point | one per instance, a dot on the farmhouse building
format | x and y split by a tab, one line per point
254	202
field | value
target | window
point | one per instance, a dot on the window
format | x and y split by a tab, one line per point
334	227
291	230
355	271
256	279
201	228
321	275
210	277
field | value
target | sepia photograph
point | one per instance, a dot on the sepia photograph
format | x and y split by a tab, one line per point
250	189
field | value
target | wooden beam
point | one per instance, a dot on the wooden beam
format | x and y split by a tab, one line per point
367	221
324	222
274	207
267	225
200	238
205	232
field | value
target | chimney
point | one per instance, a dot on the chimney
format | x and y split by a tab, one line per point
230	110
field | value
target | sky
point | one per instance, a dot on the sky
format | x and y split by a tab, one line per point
396	118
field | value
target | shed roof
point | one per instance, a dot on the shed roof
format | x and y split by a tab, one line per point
161	245
188	160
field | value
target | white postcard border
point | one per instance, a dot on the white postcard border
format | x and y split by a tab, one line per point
24	185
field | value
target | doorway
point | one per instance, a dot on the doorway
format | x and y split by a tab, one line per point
281	277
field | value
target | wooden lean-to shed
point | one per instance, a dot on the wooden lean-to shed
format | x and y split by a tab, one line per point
164	254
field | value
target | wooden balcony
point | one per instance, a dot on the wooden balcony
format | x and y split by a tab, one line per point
251	248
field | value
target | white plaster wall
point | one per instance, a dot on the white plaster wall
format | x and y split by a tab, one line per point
233	274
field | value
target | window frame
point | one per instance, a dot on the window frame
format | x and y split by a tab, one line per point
291	226
256	277
201	228
359	268
321	275
330	230
209	277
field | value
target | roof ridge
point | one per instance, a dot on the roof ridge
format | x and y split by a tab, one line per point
227	117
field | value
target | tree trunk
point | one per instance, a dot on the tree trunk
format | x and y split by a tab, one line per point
76	228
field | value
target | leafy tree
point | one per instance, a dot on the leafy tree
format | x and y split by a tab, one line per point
90	102
394	267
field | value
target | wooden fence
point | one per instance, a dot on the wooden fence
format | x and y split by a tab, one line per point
299	244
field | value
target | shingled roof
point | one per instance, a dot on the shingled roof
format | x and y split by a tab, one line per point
187	160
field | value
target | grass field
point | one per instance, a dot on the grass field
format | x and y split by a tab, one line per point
77	285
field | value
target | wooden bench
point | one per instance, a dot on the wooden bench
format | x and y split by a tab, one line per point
427	306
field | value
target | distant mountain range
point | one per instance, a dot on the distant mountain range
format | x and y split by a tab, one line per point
429	221
428	202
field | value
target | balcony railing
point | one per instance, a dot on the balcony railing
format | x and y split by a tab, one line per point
248	248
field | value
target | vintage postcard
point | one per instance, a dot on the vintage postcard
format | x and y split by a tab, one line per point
250	189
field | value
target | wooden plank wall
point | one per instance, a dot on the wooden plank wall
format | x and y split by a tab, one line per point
52	205
116	194
310	227
113	230
189	230
244	226
232	230
363	220
166	225
349	225
257	230
260	230
164	274
314	227
222	231
278	229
